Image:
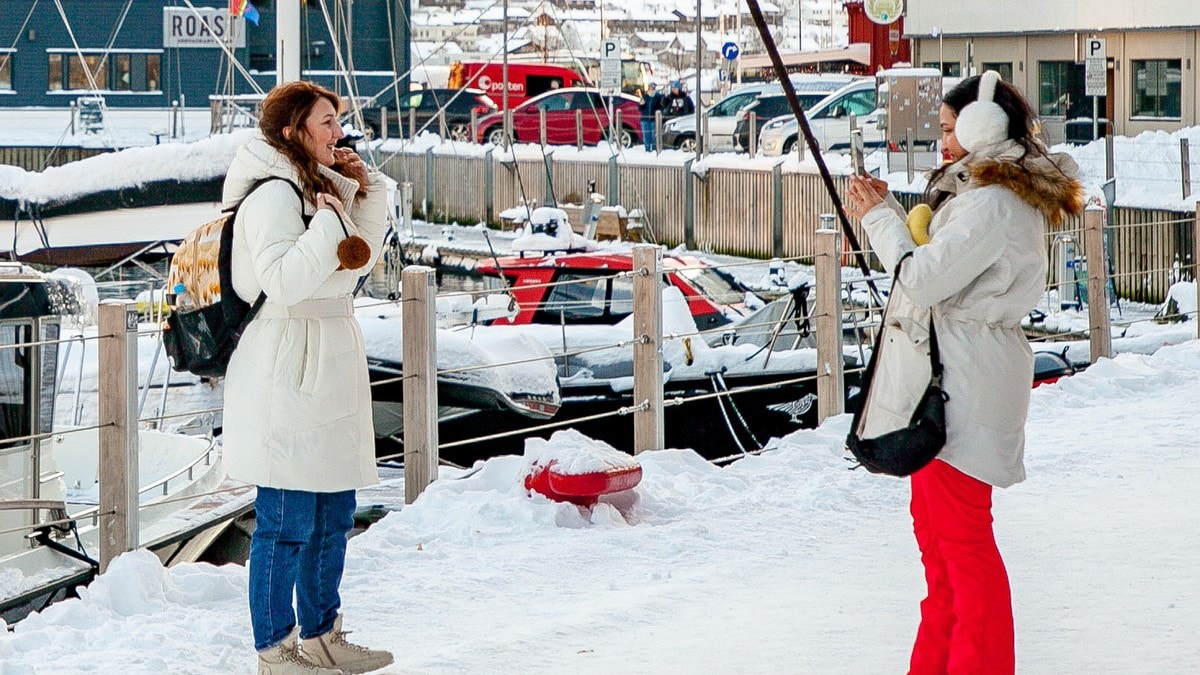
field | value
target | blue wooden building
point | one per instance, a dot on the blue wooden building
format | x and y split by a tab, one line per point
151	53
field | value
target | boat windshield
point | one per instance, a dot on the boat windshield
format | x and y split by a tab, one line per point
713	285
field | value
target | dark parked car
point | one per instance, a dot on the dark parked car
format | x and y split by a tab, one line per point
766	107
457	105
566	110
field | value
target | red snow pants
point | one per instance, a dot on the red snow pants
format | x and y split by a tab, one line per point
966	619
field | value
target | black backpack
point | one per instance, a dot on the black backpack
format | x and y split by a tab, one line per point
207	317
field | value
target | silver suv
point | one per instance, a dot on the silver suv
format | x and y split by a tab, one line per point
680	133
830	121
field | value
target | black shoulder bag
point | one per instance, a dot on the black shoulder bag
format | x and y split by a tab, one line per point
904	451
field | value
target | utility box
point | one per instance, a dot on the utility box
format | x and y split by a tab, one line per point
911	99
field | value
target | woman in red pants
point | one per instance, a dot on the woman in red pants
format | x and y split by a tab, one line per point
977	268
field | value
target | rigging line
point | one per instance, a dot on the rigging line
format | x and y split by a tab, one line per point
355	109
233	57
810	140
620	151
421	64
95	88
17	37
78	52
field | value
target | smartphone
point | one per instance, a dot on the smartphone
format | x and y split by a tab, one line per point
856	152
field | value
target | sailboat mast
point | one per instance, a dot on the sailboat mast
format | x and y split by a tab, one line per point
287	41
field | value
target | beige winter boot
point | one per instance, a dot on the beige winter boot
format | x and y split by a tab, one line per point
285	659
331	650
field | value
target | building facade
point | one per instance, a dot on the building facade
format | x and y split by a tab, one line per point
151	53
1152	49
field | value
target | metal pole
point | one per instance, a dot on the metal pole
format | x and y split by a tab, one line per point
119	437
777	210
830	386
647	348
542	128
427	207
504	79
417	292
578	130
658	131
1196	264
1095	118
1185	167
689	206
1099	321
752	145
909	164
406	205
489	187
699	108
383	123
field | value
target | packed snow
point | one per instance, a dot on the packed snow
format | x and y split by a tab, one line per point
781	563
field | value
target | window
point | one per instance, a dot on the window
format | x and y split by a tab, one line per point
154	72
6	61
1061	90
949	68
122	71
860	102
14	394
730	106
579	301
1157	88
78	71
56	73
1002	67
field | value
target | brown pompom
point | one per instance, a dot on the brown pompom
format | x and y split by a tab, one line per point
353	253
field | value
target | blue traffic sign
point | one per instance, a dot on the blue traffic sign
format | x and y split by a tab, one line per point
729	50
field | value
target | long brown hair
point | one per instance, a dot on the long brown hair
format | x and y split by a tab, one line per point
289	105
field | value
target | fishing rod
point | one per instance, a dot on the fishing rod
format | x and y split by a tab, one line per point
810	140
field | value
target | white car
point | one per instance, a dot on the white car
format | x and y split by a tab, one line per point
680	133
830	121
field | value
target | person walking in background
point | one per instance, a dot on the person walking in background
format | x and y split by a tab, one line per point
648	104
676	103
297	417
980	272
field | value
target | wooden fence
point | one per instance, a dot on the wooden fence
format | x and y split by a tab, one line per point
36	159
752	212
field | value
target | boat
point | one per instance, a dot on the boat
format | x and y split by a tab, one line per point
48	494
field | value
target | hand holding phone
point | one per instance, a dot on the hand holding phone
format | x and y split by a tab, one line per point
856	152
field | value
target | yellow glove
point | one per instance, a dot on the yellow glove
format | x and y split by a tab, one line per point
918	223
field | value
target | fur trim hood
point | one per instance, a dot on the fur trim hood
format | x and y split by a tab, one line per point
1047	183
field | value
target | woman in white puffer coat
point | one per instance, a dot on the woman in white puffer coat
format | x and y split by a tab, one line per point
297	418
981	271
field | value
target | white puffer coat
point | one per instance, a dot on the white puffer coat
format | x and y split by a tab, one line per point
297	399
982	271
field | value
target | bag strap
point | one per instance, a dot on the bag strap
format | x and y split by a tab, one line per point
935	357
226	252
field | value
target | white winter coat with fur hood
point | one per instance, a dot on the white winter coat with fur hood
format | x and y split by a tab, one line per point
297	400
982	271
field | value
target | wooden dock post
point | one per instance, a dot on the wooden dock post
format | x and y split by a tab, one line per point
1099	321
648	424
117	384
418	291
831	396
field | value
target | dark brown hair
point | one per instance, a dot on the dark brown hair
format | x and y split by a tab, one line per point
289	105
1021	125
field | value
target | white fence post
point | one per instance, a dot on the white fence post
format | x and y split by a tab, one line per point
831	397
1099	321
647	349
117	384
418	292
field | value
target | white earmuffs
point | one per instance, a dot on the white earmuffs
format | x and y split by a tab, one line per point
982	122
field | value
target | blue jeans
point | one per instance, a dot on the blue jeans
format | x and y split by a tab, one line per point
299	545
648	135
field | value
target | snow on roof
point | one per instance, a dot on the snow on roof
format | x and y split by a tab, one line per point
201	160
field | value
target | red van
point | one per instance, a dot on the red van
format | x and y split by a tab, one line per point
525	80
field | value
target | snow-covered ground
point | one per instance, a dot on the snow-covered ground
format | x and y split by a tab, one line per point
783	563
